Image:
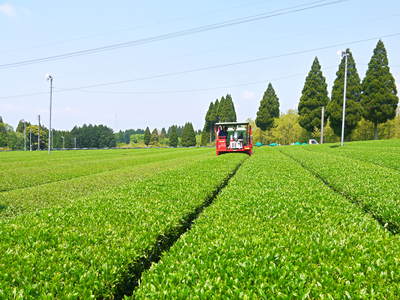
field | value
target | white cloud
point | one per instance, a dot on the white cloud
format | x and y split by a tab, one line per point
7	9
248	95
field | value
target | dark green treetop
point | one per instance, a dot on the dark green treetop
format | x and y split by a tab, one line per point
379	95
216	110
154	137
163	133
188	136
173	137
230	112
353	97
147	136
209	120
314	96
268	110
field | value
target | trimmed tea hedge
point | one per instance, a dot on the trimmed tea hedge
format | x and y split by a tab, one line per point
276	231
86	249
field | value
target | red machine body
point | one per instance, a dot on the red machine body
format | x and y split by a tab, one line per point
233	137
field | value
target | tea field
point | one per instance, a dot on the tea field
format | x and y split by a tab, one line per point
290	222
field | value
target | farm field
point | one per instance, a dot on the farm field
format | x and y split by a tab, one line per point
92	177
288	222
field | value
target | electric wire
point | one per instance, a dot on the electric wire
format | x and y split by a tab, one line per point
186	32
207	68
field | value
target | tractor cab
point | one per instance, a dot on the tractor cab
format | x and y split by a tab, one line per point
233	137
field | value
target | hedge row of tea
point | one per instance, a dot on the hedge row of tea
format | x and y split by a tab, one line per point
85	249
374	153
277	231
60	193
372	187
16	175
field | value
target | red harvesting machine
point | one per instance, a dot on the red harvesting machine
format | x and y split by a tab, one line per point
233	137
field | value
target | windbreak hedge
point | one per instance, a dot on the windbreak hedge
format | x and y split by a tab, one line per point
276	231
85	249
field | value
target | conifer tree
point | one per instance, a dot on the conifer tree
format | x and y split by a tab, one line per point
226	110
268	110
173	137
205	134
379	95
314	97
216	111
154	137
353	97
230	109
163	133
221	110
213	119
147	136
188	136
3	134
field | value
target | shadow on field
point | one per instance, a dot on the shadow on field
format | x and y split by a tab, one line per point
131	279
2	207
334	146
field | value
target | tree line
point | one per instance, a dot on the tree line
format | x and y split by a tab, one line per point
184	136
371	106
174	136
373	99
222	110
33	137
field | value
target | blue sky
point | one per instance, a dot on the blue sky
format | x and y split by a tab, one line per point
36	29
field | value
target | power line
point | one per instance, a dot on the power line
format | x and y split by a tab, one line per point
107	33
170	74
200	89
229	64
186	32
192	90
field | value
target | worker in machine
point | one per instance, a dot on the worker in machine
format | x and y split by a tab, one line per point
240	140
223	132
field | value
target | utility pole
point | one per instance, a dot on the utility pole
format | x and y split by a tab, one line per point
75	142
38	148
50	78
30	139
24	135
321	141
345	55
63	142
